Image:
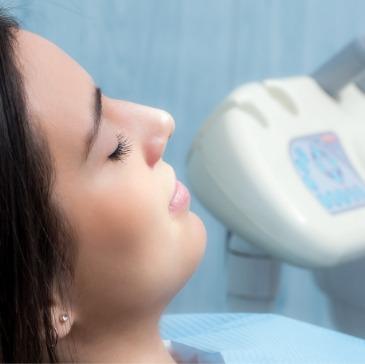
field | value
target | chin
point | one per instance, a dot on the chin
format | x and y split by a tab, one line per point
198	237
200	227
194	240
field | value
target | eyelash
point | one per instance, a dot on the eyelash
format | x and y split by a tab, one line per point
123	148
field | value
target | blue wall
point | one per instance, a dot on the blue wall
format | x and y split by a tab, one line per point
185	56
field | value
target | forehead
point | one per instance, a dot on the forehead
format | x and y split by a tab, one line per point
59	93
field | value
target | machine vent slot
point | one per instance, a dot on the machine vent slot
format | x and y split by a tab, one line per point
255	113
282	97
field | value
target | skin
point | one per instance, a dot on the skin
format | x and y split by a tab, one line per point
134	254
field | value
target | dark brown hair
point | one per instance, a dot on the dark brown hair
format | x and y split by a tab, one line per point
36	250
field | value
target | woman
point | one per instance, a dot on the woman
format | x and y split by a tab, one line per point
91	247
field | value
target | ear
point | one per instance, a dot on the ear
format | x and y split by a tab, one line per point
62	318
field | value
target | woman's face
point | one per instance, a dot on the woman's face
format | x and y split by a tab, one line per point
133	253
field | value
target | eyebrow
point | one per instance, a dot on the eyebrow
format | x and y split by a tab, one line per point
96	113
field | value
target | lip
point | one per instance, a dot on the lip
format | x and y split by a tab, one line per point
180	199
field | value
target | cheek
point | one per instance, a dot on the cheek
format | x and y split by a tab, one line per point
119	216
125	224
127	239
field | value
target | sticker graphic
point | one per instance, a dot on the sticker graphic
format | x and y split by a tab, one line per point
323	166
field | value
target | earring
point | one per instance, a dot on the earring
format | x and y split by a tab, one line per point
63	317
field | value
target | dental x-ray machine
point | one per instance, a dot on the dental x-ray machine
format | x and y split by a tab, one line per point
281	163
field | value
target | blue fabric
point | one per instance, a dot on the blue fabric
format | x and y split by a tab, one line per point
256	339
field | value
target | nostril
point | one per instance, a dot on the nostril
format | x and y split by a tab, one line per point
155	150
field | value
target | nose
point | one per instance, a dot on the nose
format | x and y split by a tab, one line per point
159	130
148	126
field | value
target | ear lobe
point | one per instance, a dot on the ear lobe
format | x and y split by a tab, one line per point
62	319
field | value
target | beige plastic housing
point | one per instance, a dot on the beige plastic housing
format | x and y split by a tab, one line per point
240	169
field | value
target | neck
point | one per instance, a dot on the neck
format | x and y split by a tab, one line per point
131	341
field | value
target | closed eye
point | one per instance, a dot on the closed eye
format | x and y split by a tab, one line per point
124	147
